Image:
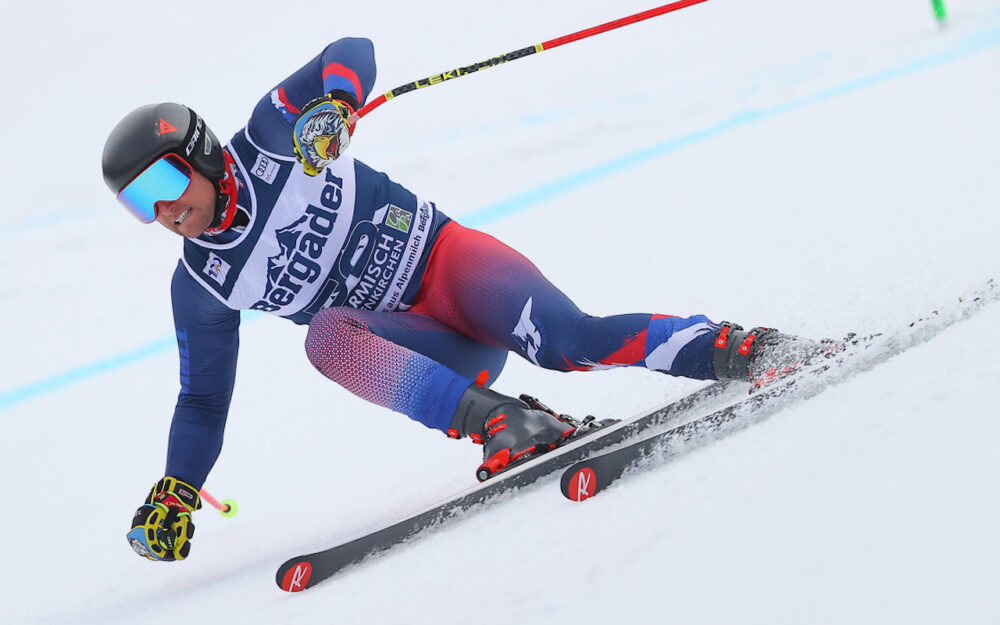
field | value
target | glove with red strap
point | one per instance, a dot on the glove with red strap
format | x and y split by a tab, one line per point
322	132
162	527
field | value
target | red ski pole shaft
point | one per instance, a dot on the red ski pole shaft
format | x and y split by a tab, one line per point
517	54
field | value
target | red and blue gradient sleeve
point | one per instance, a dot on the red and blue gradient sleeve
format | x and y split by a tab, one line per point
346	65
349	65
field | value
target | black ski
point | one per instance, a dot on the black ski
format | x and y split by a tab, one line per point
306	571
588	477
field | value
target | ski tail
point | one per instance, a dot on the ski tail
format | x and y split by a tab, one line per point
585	479
294	575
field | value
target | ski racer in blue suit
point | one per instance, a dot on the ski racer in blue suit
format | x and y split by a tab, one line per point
405	307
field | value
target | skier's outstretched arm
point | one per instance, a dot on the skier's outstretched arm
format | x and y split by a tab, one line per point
208	344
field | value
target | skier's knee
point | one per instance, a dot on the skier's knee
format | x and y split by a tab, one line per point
330	330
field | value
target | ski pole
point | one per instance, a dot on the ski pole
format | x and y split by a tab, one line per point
517	54
226	507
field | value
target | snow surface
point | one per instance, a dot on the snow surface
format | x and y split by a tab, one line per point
818	167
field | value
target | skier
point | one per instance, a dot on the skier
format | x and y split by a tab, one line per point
405	307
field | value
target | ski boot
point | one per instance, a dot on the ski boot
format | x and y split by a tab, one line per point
511	430
764	355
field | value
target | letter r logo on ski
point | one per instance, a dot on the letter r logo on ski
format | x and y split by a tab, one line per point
581	486
297	577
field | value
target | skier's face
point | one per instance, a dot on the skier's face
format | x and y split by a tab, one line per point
192	213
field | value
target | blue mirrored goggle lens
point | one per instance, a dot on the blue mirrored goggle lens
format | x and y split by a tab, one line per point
166	179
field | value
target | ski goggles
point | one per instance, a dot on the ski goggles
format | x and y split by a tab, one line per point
166	179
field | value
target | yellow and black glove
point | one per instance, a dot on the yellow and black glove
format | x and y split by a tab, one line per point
162	527
322	132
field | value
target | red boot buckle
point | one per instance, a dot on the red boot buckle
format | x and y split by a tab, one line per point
493	464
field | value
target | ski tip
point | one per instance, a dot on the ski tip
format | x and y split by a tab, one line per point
294	576
579	483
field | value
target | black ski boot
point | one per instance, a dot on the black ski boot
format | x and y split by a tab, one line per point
763	355
510	430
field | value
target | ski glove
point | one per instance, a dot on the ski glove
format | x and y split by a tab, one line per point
322	132
162	527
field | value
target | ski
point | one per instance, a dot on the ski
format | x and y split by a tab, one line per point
707	413
305	571
588	477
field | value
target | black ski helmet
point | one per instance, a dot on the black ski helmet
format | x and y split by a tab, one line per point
153	131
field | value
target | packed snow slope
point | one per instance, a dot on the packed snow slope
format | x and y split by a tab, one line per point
817	167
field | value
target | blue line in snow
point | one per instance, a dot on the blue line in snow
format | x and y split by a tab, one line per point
533	197
43	221
47	385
